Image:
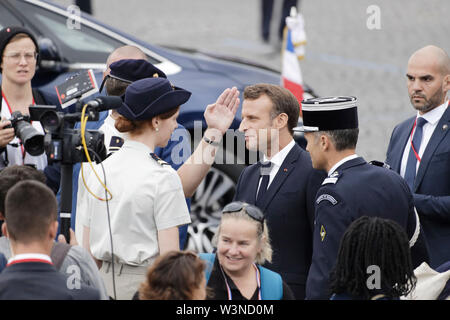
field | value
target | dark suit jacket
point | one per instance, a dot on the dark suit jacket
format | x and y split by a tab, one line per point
40	281
432	185
289	211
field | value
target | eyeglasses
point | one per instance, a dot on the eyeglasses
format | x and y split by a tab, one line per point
252	211
17	56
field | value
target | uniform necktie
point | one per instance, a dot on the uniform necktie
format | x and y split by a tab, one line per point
410	172
265	174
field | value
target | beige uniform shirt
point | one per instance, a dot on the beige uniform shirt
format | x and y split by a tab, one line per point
147	197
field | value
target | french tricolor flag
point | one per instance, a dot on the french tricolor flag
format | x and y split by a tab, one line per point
293	51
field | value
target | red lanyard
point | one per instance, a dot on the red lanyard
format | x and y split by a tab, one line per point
10	113
412	145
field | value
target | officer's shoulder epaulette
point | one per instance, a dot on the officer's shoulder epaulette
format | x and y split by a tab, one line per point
380	164
160	161
116	142
332	179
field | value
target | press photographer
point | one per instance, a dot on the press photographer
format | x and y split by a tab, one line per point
19	54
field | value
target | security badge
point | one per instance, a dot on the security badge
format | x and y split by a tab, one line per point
159	160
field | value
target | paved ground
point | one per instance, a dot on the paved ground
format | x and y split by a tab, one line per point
343	56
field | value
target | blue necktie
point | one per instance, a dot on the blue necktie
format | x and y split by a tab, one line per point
410	172
265	174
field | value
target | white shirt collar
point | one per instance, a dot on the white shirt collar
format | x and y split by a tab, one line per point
337	165
279	157
136	145
30	256
434	115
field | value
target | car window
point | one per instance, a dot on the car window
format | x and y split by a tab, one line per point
83	45
7	19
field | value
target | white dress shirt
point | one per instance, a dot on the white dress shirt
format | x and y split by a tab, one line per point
432	118
277	161
342	161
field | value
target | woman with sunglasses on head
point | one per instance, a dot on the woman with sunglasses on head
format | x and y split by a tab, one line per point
145	197
18	59
234	272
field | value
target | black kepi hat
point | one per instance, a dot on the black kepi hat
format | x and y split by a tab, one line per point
150	97
329	113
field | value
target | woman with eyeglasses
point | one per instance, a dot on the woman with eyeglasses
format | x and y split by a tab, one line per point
234	272
18	59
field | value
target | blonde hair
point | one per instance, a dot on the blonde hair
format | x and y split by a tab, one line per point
262	233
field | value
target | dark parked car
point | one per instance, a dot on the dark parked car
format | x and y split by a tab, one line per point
65	50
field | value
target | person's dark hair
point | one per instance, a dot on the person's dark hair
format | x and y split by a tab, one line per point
12	175
24	172
372	241
30	208
115	87
283	101
343	139
173	276
135	126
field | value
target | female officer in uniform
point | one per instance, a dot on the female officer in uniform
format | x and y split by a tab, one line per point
147	201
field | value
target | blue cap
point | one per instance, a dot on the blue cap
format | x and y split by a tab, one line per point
147	98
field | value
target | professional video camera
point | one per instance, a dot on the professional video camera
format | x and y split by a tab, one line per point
33	140
62	143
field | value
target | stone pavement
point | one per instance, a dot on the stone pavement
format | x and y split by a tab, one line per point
343	57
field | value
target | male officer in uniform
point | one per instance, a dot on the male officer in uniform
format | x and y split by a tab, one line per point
352	189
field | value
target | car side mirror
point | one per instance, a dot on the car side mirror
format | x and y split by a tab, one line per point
49	56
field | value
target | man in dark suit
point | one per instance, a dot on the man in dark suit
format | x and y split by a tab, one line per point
31	225
352	189
426	165
284	184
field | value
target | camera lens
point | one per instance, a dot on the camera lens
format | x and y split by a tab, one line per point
32	140
50	120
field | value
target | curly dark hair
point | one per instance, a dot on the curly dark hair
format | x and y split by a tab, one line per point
173	276
373	241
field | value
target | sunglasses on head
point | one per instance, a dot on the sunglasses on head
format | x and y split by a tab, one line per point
252	211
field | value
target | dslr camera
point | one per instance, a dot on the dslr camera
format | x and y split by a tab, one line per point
33	140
